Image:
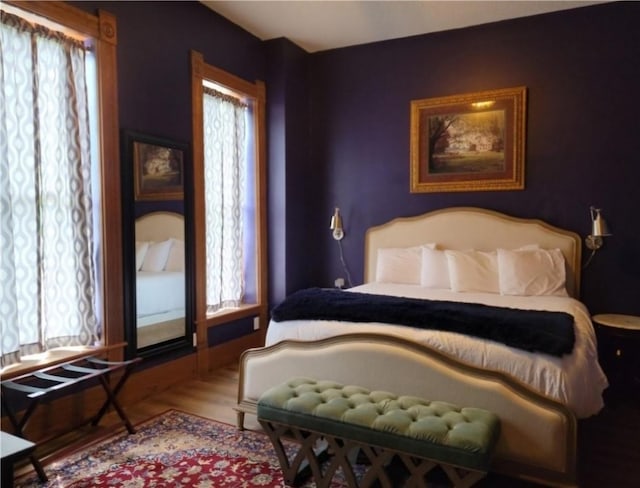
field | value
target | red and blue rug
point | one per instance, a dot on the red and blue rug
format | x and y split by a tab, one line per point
176	450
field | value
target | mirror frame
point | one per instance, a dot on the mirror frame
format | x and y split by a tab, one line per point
183	344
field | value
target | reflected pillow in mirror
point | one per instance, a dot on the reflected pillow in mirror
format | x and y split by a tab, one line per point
175	261
141	250
532	272
157	255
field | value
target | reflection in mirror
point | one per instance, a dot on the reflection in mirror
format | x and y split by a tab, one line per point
160	278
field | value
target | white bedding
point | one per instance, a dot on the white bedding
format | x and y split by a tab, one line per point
575	380
159	292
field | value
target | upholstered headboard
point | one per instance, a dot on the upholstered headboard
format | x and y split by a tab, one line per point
159	226
462	228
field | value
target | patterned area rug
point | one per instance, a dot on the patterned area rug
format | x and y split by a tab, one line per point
173	450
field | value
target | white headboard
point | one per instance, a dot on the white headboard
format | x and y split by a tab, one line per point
463	228
159	226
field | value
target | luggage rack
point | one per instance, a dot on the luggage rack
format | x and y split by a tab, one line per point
51	382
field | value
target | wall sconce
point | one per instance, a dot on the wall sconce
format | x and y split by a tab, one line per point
336	225
338	233
599	230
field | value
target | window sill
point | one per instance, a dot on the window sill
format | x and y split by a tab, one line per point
34	362
230	314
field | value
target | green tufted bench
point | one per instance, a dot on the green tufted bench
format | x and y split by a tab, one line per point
330	423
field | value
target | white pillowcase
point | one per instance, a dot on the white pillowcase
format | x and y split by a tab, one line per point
175	261
532	272
156	257
435	269
399	264
141	250
473	271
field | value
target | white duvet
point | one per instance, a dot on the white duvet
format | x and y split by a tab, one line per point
575	380
159	292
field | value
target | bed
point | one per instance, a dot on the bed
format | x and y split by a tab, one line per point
538	396
160	277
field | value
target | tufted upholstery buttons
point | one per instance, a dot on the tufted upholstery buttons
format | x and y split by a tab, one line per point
465	428
348	417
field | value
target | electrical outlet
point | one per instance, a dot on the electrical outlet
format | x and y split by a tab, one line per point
256	323
339	283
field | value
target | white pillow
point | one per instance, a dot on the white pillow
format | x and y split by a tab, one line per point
157	255
435	269
175	261
532	272
141	250
473	271
399	264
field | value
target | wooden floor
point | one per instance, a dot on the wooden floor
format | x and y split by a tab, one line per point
609	444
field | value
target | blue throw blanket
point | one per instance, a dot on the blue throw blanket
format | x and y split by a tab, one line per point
530	330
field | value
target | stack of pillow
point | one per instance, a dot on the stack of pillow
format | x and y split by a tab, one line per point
526	271
165	255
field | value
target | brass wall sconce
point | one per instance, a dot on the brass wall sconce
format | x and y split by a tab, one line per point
336	225
599	230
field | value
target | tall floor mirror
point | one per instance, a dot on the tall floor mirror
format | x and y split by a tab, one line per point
157	281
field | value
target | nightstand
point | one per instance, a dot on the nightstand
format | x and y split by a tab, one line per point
619	352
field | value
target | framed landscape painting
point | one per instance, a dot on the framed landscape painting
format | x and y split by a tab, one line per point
469	142
158	166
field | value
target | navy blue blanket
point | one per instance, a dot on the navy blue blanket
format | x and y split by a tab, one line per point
531	330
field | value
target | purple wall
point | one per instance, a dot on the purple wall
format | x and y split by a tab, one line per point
338	126
582	71
154	74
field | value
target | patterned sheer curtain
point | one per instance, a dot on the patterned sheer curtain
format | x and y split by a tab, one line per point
48	296
225	150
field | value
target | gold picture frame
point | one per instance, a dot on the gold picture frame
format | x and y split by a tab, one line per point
158	167
469	142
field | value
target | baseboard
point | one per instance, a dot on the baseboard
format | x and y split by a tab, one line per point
230	351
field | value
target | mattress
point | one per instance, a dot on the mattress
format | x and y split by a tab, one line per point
575	379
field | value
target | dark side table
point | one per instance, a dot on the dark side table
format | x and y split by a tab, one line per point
619	353
13	449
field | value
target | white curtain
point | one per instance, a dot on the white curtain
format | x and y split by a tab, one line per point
225	152
48	294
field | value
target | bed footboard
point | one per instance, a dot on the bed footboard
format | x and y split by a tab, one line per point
538	440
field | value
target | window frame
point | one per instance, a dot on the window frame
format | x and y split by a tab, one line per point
102	28
256	95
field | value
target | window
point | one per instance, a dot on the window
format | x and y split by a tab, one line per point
228	209
57	268
229	195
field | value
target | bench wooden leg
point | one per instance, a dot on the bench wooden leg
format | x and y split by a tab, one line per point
340	451
324	464
378	460
418	470
306	461
462	478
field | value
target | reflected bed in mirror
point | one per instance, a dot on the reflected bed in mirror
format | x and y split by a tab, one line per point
160	278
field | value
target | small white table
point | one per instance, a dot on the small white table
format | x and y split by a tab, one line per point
619	351
13	449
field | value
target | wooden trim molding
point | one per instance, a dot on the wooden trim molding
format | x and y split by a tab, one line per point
63	14
256	96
